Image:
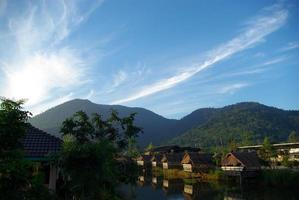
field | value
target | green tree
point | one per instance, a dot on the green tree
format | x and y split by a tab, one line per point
149	147
293	137
246	139
267	150
90	147
16	178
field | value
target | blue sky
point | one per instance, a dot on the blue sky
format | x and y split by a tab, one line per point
170	56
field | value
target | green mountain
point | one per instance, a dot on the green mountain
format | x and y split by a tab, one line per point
242	122
204	127
156	128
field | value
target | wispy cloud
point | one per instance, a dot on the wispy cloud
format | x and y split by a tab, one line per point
290	46
37	62
271	19
232	88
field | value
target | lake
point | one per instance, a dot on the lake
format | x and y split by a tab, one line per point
156	188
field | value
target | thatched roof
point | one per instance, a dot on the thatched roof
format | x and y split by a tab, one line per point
172	157
157	157
146	158
245	159
197	158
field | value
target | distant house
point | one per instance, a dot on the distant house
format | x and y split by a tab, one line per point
171	149
241	163
195	162
172	160
38	147
156	160
290	148
144	160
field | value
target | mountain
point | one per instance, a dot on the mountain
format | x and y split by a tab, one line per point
156	128
204	127
247	121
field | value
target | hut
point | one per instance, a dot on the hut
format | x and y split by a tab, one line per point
156	160
241	164
172	160
38	147
144	160
195	162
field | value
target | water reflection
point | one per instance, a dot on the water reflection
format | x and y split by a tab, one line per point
150	187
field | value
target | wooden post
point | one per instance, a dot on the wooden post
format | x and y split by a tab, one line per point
52	178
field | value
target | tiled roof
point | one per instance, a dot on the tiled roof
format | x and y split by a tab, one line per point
38	144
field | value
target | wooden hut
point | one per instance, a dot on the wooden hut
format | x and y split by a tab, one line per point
156	160
241	163
144	160
194	162
172	160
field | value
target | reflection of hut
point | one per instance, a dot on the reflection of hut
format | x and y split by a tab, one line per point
144	160
172	185
172	160
241	163
156	160
193	162
188	189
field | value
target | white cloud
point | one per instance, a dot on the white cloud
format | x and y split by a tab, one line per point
256	30
231	89
119	78
37	63
40	74
290	46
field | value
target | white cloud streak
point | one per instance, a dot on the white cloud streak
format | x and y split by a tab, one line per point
290	46
256	30
231	89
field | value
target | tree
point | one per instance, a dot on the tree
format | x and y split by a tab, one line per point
149	147
293	137
267	150
90	147
246	138
16	178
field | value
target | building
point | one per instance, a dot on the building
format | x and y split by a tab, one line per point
172	160
196	162
291	149
39	146
245	164
144	160
156	160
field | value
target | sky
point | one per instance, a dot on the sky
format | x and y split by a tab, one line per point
170	56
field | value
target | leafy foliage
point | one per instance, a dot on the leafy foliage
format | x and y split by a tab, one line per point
90	147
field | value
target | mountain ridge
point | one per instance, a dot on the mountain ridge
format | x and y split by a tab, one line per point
161	130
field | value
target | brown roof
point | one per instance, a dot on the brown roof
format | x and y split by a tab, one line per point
246	159
197	158
38	144
172	157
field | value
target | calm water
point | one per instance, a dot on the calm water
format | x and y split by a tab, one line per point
154	188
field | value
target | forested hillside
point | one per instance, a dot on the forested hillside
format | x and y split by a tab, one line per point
243	123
